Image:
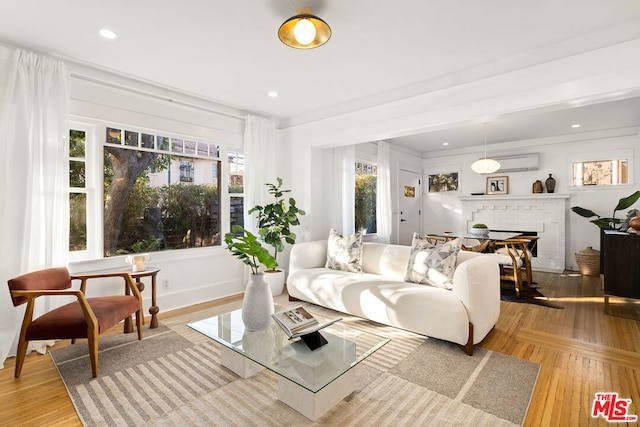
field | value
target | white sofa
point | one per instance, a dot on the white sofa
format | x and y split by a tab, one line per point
463	315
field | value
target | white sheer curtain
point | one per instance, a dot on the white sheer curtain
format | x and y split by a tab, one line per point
383	200
34	217
343	190
260	148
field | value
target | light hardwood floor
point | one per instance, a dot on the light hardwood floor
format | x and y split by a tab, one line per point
581	350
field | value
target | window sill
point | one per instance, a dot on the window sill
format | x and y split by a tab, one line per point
156	257
599	187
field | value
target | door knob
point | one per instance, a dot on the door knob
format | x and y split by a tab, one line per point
402	220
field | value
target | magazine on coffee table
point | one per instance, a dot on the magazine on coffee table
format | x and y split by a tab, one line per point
297	322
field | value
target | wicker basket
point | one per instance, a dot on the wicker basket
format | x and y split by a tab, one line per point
588	261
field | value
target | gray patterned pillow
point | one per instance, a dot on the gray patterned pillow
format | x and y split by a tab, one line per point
344	253
431	264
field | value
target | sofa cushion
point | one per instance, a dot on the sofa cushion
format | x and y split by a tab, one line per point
431	264
344	253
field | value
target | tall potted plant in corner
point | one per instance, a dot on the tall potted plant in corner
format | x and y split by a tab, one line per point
274	227
257	304
611	223
606	223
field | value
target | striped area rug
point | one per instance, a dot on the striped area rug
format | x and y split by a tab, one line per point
174	378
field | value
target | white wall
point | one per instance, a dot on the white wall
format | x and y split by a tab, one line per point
313	170
443	210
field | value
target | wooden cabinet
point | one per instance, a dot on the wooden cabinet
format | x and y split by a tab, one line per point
621	262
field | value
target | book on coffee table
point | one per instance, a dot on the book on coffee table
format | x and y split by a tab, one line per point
297	322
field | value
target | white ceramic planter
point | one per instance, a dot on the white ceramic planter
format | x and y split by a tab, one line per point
480	231
275	280
257	305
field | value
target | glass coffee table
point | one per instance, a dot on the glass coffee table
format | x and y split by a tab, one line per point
311	382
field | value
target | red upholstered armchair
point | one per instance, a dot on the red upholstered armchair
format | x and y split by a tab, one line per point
83	318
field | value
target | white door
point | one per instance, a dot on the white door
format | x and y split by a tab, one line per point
409	207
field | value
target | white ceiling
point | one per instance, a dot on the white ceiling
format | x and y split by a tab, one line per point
380	51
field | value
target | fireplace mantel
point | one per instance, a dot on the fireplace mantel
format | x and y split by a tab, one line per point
542	196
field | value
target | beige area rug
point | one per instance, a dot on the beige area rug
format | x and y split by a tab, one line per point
173	378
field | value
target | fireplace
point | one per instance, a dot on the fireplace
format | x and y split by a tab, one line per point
541	215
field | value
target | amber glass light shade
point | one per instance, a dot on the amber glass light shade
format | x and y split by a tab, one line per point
287	36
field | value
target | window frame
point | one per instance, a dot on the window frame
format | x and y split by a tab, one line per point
626	154
93	212
95	133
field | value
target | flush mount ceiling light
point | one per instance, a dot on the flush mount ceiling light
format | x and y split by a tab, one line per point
107	34
304	30
485	165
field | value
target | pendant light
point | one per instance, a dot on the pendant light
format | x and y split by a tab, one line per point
484	166
304	30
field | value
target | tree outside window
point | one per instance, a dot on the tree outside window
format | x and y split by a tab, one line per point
144	209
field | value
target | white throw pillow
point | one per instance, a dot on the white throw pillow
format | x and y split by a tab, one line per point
344	253
431	264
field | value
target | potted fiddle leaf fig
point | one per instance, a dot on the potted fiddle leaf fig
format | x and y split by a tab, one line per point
257	304
275	221
248	249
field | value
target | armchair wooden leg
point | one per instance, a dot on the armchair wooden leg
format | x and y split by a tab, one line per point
92	341
20	356
139	319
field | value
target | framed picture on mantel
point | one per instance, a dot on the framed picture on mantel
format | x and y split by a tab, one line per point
498	185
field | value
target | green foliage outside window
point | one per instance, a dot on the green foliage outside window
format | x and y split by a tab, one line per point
172	216
365	203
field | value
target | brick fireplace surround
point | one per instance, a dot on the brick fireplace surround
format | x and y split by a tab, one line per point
543	214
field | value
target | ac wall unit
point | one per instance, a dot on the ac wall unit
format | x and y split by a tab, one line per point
519	162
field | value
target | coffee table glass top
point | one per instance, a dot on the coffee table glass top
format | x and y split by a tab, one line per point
292	359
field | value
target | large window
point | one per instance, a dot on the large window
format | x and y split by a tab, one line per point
134	190
601	172
160	193
365	195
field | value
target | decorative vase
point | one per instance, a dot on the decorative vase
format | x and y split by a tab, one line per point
537	187
635	222
257	304
550	183
138	262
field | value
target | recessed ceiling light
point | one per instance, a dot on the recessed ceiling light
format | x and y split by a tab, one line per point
445	143
272	94
107	34
577	125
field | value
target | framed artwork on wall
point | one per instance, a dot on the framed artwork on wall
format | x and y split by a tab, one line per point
409	191
498	185
443	182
